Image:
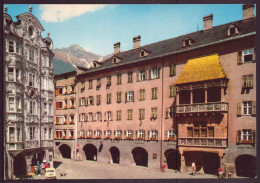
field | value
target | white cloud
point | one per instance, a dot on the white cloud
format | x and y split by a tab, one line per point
60	13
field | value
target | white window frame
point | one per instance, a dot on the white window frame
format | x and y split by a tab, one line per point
32	107
129	133
140	133
118	133
45	133
247	52
32	132
45	61
97	133
99	116
153	134
12	46
247	108
31	55
82	101
154	73
170	134
89	133
109	115
247	133
142	76
11	108
11	139
90	116
130	96
108	133
82	117
32	78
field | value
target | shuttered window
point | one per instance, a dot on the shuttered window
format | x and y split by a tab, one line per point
130	78
154	93
118	115
119	79
172	70
109	98
129	114
172	91
118	97
141	114
247	81
142	94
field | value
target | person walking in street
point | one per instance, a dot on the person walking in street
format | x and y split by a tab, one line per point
163	166
193	168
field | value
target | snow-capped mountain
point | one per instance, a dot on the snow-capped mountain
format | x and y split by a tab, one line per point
66	59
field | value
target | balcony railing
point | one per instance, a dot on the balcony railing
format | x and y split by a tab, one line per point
202	142
15	145
207	107
47	143
31	144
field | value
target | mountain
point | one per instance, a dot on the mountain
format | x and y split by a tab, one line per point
66	59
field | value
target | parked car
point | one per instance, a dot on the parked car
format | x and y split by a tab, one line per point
50	173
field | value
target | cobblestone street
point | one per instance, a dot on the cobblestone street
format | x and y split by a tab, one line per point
95	170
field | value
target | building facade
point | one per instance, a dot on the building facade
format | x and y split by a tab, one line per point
182	100
65	118
28	68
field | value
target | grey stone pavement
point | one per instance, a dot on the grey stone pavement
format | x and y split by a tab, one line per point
95	170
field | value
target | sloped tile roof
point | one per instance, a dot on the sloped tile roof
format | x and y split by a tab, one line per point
173	45
201	69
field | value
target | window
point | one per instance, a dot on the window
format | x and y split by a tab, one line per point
82	87
142	76
98	99
247	81
71	134
172	70
82	101
58	91
154	73
246	135
82	133
89	133
98	84
59	105
109	116
119	79
98	133
90	100
19	134
142	94
90	116
11	104
58	134
118	133
140	134
170	134
141	114
118	97
130	96
130	77
18	75
247	108
245	56
90	84
45	61
32	133
108	133
129	114
72	118
118	115
129	133
45	107
10	74
18	48
172	91
99	116
153	134
82	117
11	46
31	55
190	131
72	89
154	93
50	133
33	107
32	79
141	53
59	120
109	81
45	133
109	98
200	130
18	104
11	134
153	113
210	131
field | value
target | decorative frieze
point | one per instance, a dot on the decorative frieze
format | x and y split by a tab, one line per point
31	144
202	142
207	107
47	143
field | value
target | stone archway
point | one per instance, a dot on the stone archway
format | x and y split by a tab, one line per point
19	165
90	152
115	154
246	165
208	160
173	159
140	156
65	151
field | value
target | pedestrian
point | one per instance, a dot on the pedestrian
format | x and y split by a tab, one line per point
95	157
220	172
38	167
193	168
163	166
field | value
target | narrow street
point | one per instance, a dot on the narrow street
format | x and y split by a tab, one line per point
95	170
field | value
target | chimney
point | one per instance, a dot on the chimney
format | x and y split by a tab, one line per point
248	11
117	48
207	22
136	42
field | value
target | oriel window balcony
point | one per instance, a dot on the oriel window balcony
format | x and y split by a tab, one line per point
15	145
202	142
194	100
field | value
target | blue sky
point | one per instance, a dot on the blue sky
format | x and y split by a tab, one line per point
97	28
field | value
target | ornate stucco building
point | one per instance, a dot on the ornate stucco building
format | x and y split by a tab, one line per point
185	99
29	93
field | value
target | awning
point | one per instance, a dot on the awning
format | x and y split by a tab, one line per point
201	69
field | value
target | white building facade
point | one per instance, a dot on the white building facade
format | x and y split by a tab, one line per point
29	93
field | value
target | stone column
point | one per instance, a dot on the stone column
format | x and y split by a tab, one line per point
182	168
28	159
206	95
191	96
177	98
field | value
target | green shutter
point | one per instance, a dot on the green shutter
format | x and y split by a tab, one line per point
254	108
239	57
239	109
239	136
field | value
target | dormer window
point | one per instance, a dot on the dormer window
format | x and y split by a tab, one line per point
116	59
233	30
143	53
187	42
96	64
